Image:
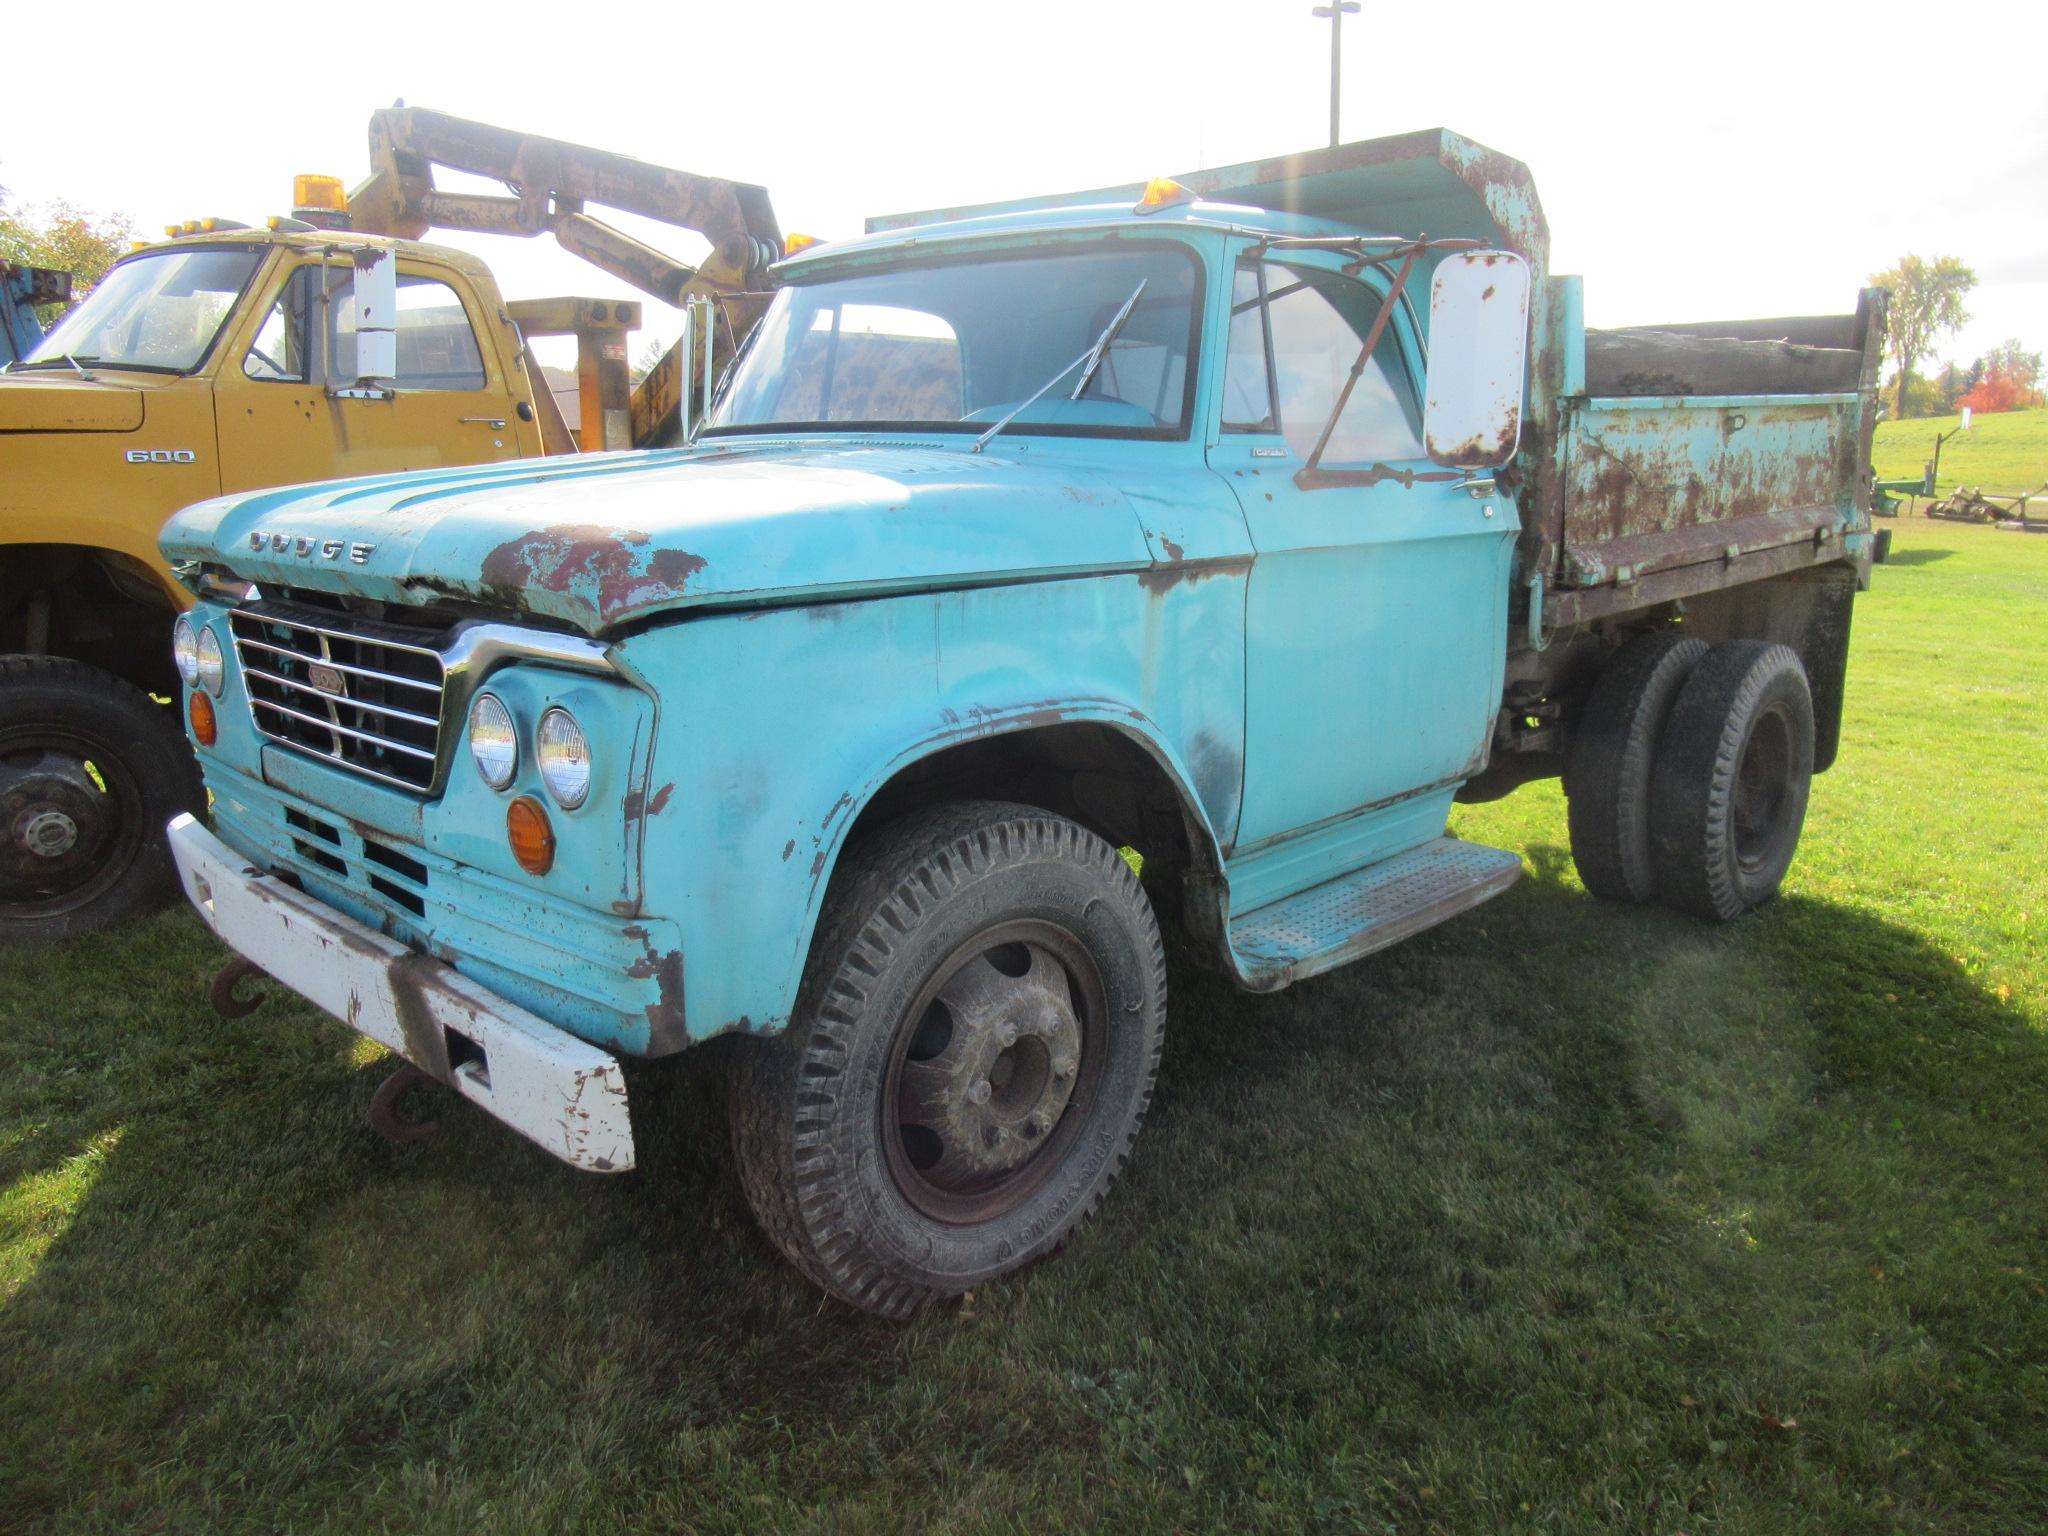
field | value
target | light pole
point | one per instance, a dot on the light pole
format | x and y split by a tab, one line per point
1336	12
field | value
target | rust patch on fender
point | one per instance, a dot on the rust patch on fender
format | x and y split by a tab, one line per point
660	801
665	1018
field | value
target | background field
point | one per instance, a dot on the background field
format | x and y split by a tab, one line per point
1560	1218
2006	453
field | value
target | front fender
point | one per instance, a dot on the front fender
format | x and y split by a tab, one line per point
778	728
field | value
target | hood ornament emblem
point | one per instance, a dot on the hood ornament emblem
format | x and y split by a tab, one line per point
305	547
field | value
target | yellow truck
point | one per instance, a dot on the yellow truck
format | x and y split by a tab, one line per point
330	343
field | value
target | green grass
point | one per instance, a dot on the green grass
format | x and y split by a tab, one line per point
2006	453
1562	1217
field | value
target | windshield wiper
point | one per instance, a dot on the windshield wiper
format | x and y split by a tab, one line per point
77	364
1087	362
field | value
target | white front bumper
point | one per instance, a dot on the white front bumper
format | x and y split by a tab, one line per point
549	1086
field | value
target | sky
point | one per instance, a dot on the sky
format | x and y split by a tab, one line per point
1695	162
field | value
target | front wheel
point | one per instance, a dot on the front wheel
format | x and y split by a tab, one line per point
975	1047
90	771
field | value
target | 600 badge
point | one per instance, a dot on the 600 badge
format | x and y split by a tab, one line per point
161	456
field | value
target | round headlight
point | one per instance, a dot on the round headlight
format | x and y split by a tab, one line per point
492	741
211	672
564	758
185	649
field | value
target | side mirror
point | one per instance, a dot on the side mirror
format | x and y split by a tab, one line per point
376	300
1478	350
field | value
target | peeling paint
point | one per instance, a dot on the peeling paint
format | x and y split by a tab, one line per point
606	569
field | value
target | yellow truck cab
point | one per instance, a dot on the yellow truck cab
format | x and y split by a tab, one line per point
223	359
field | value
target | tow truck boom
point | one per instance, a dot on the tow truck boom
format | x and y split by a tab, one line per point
551	183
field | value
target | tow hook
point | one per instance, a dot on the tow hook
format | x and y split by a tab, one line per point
222	992
383	1111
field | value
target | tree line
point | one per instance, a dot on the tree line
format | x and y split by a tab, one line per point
1927	303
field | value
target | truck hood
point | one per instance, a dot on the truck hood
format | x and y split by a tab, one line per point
604	540
49	401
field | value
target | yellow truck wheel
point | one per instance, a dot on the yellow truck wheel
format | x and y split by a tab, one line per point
90	771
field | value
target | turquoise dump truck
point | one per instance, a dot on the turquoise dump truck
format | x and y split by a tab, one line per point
1044	577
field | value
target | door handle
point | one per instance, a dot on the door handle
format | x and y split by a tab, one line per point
1478	487
495	423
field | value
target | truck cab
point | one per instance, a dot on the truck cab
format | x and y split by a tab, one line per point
1165	557
218	361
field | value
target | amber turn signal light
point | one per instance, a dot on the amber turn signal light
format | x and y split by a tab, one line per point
206	728
532	839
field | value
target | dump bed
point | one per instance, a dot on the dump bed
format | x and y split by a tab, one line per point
1699	456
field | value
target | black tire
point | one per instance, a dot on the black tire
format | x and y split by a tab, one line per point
1607	779
90	771
1734	770
867	1158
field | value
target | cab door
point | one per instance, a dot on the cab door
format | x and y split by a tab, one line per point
1376	609
284	417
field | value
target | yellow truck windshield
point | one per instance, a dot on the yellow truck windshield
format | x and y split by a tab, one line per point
159	311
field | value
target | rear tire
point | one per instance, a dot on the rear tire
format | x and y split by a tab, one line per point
974	1050
91	769
1607	779
1734	770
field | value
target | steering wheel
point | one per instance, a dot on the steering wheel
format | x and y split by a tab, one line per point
275	367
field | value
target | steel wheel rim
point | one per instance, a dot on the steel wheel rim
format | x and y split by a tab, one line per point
1763	790
965	1184
47	778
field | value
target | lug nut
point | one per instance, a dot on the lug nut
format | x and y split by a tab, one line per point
1007	1034
979	1092
1063	1069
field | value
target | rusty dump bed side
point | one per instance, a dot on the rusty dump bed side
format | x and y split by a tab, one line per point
1691	458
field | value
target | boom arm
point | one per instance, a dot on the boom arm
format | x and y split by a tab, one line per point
551	181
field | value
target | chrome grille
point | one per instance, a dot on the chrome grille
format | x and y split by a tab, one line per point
367	696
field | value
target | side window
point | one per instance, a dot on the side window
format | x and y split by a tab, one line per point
278	354
436	347
1318	320
1247	383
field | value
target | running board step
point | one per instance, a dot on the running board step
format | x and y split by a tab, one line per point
1327	925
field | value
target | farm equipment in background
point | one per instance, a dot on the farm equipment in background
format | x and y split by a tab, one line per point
1889	497
1886	494
1969	504
22	291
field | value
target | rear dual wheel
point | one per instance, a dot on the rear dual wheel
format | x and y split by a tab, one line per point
975	1049
1690	773
1735	767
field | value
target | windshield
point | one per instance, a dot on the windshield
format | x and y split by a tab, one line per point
158	312
956	345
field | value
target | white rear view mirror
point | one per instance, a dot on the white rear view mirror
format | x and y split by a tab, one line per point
1478	349
376	301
